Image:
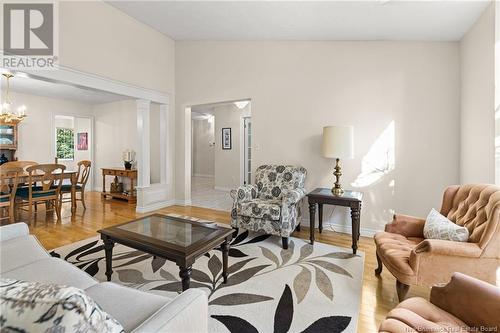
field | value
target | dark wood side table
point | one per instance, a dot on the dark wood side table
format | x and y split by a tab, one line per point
321	196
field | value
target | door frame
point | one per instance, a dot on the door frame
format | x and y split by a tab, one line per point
243	152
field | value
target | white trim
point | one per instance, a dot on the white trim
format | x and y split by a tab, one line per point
203	175
86	80
143	143
154	206
225	189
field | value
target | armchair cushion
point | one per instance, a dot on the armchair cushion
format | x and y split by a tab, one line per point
261	209
293	196
395	251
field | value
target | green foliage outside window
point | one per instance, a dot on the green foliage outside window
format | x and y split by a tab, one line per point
65	143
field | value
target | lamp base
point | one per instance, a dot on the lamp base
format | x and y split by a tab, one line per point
337	188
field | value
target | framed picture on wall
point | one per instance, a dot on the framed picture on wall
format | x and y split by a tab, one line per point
82	141
226	138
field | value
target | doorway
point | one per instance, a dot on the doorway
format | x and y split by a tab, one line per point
220	152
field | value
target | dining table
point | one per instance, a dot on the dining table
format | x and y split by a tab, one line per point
67	175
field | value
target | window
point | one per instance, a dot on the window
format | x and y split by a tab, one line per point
65	143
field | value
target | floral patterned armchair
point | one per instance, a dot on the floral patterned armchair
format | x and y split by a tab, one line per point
272	205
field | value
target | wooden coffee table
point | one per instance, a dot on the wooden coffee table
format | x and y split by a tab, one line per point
171	238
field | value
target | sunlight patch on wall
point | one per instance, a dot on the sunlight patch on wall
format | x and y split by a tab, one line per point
380	159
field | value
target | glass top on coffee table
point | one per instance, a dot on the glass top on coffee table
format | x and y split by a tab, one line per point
168	229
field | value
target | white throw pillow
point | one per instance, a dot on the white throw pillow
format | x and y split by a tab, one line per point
39	307
438	226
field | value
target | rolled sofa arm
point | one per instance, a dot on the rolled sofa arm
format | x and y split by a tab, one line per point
408	226
449	248
475	302
187	313
15	230
244	193
291	197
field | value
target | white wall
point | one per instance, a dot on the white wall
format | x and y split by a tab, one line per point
35	132
227	162
97	38
477	65
203	156
298	87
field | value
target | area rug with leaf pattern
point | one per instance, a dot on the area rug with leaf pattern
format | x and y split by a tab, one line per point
303	289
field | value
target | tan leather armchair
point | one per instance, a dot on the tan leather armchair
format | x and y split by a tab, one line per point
413	260
465	304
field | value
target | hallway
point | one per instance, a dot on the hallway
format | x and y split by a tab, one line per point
204	195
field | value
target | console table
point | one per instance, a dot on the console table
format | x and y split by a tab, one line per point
120	172
350	199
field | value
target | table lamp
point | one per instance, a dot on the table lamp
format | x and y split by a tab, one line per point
338	142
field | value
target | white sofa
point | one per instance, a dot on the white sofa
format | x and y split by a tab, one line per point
22	257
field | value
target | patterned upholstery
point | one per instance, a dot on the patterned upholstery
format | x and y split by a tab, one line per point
272	205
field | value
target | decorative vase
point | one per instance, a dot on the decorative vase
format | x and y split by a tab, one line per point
3	159
128	165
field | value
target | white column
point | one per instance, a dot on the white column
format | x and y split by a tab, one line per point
143	144
163	143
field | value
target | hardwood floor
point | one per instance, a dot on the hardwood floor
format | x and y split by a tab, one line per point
378	294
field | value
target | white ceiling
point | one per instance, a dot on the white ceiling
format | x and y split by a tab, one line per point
27	85
307	20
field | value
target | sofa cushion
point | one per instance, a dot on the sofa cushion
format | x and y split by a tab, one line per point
20	251
261	209
39	307
417	314
129	306
438	226
395	249
52	270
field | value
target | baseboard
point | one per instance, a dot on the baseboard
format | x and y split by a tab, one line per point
182	202
203	175
225	189
154	206
345	229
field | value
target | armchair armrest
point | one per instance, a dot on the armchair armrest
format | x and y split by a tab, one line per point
244	193
475	302
408	226
451	248
15	230
187	313
290	197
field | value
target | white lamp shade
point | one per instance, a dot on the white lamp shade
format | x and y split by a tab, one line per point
338	142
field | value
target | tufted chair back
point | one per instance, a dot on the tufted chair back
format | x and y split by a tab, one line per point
271	180
476	207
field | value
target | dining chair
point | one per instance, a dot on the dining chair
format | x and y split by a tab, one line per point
81	180
49	177
8	188
19	164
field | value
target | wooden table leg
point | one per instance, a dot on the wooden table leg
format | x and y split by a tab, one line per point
108	250
312	216
320	217
355	212
185	275
225	255
73	193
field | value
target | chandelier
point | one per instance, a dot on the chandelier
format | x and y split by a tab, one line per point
7	115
